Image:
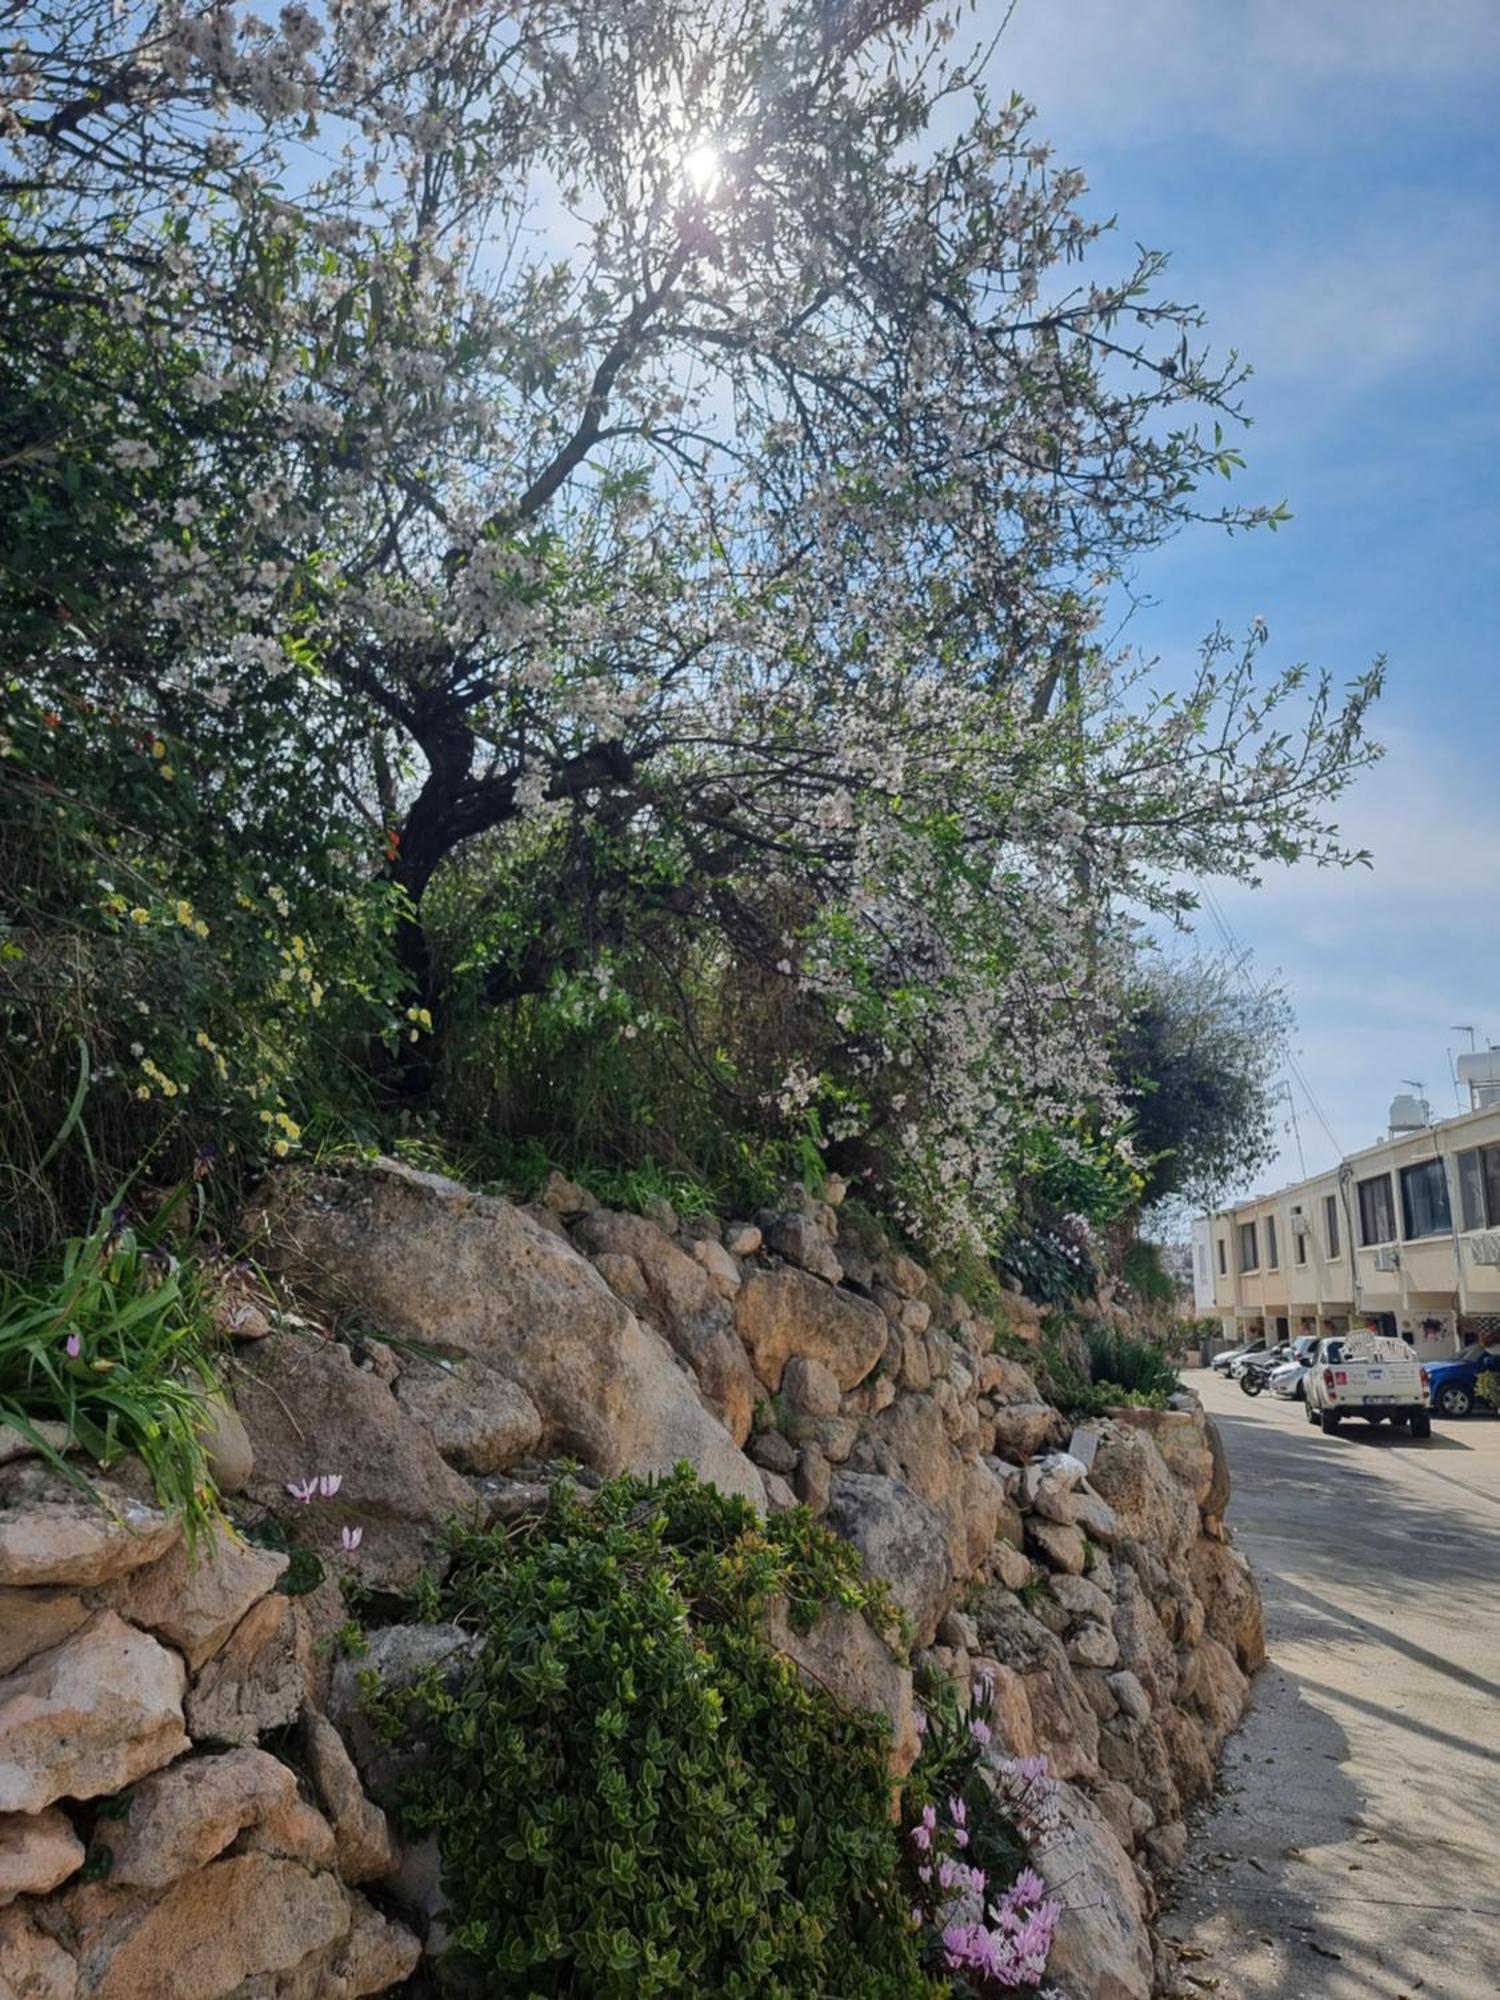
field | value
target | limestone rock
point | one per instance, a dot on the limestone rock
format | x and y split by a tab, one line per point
814	1479
1152	1505
51	1533
1096	1517
849	1660
799	1238
723	1272
226	1446
32	1965
432	1262
195	1600
1082	1598
1131	1696
361	1831
183	1816
1181	1436
479	1421
742	1239
309	1409
905	1274
246	1917
900	1537
1021	1429
686	1307
1215	1688
780	1498
773	1452
16	1444
783	1312
565	1197
31	1621
1009	1565
1102	1947
1092	1646
91	1715
1231	1603
294	1831
377	1955
810	1387
258	1680
1060	1547
37	1851
398	1656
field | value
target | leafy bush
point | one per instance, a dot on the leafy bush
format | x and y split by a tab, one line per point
635	1795
113	1340
1089	1368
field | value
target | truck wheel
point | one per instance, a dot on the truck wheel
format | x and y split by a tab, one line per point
1421	1424
1454	1400
1329	1419
1308	1411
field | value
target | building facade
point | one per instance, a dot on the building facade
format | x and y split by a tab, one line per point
1405	1234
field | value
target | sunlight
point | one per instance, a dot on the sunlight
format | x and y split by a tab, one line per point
702	168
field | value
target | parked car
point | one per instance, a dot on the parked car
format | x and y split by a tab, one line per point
1224	1363
1371	1376
1454	1384
1290	1380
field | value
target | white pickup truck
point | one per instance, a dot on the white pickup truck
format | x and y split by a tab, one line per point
1367	1375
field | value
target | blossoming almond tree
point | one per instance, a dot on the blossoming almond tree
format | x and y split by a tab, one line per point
700	435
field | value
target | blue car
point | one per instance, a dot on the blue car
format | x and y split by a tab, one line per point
1453	1386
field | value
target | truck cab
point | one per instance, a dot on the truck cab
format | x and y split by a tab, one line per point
1369	1376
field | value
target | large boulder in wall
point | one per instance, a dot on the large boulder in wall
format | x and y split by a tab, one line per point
471	1274
683	1303
782	1311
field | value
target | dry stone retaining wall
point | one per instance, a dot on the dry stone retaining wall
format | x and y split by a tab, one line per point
148	1701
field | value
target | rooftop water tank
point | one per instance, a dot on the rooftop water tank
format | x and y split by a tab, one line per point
1481	1072
1409	1114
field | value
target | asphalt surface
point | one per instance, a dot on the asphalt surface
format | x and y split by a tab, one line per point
1354	1852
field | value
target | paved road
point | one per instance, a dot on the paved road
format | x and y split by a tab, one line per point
1355	1851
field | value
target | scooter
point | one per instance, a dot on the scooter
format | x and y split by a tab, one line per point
1255	1376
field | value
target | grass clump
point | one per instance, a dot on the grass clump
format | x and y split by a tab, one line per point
636	1797
113	1340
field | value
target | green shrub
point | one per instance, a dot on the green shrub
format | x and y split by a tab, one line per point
113	1340
1129	1362
635	1796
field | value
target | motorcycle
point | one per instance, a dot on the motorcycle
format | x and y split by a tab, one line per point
1256	1375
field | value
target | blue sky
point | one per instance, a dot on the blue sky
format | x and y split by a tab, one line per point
1326	174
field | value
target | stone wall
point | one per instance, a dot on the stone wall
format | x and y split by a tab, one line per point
184	1715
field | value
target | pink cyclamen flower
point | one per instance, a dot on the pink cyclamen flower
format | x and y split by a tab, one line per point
921	1721
73	1346
980	1731
352	1537
329	1483
302	1489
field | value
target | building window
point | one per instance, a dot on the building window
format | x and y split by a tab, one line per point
1223	1259
1299	1236
1331	1223
1424	1200
1479	1187
1249	1248
1202	1249
1377	1213
1273	1254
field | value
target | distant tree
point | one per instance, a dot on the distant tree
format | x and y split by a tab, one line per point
1197	1057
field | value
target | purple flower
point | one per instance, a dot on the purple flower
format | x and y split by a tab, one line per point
352	1537
73	1346
329	1483
980	1731
302	1490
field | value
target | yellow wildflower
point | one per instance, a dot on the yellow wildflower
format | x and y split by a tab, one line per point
184	914
266	1118
281	1149
158	748
143	1091
200	929
140	916
167	772
299	949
